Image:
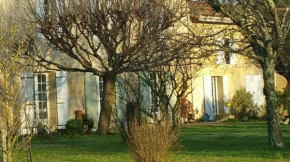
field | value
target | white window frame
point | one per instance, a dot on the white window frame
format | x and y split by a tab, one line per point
36	99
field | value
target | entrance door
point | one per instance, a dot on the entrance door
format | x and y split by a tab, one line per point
217	95
214	90
62	98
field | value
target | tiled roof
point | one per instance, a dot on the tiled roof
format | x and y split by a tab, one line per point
200	8
202	12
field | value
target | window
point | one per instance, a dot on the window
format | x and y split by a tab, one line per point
92	6
41	97
225	51
39	7
45	9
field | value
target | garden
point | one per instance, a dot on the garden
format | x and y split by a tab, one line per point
228	142
241	139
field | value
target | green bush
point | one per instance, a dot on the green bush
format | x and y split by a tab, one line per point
283	100
232	120
243	106
89	122
74	126
42	129
222	117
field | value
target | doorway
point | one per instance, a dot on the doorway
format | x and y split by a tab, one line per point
215	93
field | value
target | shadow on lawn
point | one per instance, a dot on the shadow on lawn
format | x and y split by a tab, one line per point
237	140
233	140
86	144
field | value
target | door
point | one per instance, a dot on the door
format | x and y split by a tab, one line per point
214	96
62	99
217	94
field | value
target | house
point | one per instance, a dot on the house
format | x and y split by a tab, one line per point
53	96
227	72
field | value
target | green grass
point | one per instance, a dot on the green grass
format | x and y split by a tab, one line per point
233	142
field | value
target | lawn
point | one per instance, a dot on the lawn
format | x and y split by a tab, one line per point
232	142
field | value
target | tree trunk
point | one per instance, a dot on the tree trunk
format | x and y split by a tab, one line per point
107	104
9	150
3	145
175	119
274	132
29	149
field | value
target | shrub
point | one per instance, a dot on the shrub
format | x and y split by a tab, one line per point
262	113
222	117
42	129
150	142
243	107
232	120
89	122
186	108
283	100
74	126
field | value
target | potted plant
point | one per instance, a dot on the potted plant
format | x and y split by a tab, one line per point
88	122
78	114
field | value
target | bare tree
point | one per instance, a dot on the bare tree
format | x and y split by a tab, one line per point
153	96
168	85
265	25
107	38
156	93
13	116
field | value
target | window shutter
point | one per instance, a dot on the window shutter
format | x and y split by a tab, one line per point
27	87
208	107
220	57
145	91
233	57
27	99
254	86
121	98
62	98
92	96
220	54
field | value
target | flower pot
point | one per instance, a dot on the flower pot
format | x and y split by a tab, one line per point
78	114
